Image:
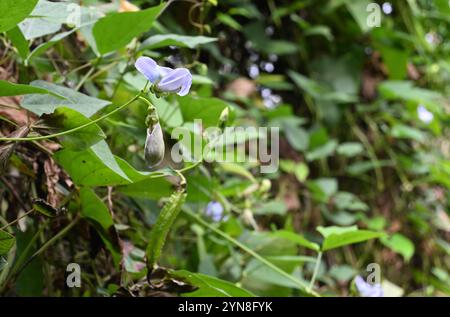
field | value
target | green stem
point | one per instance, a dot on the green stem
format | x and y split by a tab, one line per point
370	151
44	247
45	137
187	168
88	74
14	221
269	264
27	249
18	263
316	271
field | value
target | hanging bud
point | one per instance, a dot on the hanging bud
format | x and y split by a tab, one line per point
223	119
154	146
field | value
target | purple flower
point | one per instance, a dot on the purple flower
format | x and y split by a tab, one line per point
165	79
214	210
367	290
424	115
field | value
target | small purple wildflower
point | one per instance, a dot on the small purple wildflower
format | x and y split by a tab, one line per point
424	115
214	210
367	290
165	79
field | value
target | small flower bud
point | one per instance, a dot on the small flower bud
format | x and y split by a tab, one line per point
154	146
224	115
265	186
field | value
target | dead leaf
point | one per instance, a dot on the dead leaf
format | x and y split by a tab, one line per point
6	150
125	6
52	177
242	87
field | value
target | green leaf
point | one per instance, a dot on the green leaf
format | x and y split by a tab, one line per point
348	201
210	286
323	188
322	151
19	41
14	11
98	215
47	18
320	91
40	104
237	169
93	208
65	119
95	166
148	188
297	137
350	149
118	29
262	279
359	168
300	170
400	244
359	13
396	61
343	273
296	238
44	208
335	237
402	131
201	80
405	90
42	48
274	207
206	109
228	20
163	40
30	281
6	242
10	89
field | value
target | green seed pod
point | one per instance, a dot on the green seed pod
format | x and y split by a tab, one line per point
154	146
162	227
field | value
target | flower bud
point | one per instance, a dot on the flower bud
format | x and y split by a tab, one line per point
265	186
224	115
154	146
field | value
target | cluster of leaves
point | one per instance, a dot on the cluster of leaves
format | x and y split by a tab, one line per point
358	162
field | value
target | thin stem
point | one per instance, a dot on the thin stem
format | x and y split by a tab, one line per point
16	220
187	168
316	271
146	101
88	74
85	78
182	178
18	263
9	121
269	264
45	137
370	151
44	247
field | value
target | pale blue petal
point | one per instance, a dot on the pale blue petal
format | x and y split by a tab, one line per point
186	87
174	81
164	71
214	210
149	68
